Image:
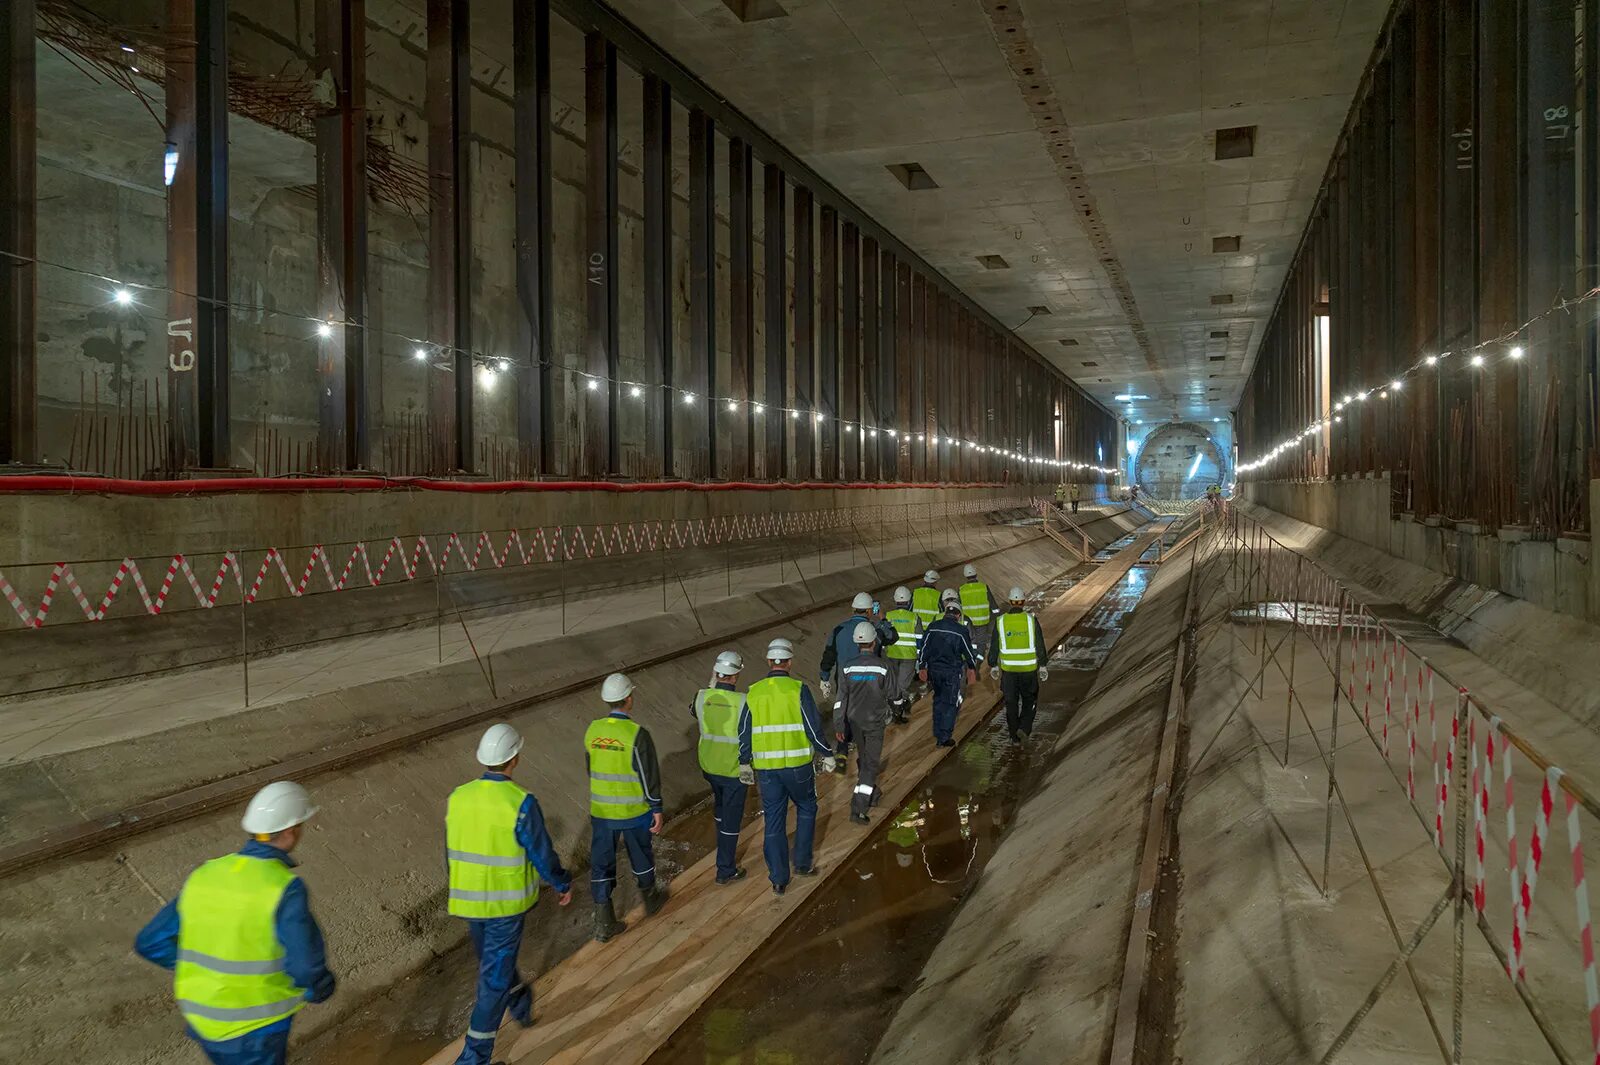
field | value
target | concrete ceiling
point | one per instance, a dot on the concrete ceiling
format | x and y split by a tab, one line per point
1106	218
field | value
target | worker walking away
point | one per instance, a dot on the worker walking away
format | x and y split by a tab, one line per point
867	693
946	659
1016	660
497	852
839	650
717	710
1074	493
1061	494
978	607
779	734
925	600
240	941
624	803
901	656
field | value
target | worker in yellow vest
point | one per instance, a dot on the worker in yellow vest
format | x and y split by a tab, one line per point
978	607
716	709
901	656
780	736
925	600
497	850
624	803
245	952
1016	660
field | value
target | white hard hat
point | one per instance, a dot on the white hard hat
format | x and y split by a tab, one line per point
862	601
780	650
1016	595
729	663
280	805
499	745
902	594
865	633
969	571
949	595
932	576
616	688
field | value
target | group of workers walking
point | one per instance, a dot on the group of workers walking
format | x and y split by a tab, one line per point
246	953
1066	493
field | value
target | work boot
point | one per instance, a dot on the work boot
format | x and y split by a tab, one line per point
861	819
809	870
737	874
655	897
606	924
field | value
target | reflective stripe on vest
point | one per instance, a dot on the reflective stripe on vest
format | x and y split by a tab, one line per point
615	791
925	604
1017	651
777	729
230	978
905	624
489	871
717	710
975	602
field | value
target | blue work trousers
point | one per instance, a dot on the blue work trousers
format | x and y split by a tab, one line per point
500	986
603	857
727	806
946	685
264	1046
780	787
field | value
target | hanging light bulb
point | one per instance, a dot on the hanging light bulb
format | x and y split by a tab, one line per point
635	392
1516	352
594	385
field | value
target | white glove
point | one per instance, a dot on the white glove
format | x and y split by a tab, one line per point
994	672
826	688
1044	674
747	775
829	764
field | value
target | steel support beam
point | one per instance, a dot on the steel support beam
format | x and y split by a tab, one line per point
776	466
828	348
448	105
742	311
890	438
19	399
805	335
908	314
658	263
702	369
1499	279
344	395
871	383
530	32
1458	254
598	394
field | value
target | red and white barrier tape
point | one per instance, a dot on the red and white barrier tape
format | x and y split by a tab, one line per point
1537	844
1580	892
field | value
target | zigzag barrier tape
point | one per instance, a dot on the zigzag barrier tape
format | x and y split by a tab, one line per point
542	544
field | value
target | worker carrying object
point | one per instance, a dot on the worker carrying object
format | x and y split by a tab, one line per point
978	606
717	710
244	950
779	733
867	694
1074	493
841	649
624	803
925	600
497	851
1016	659
901	655
945	659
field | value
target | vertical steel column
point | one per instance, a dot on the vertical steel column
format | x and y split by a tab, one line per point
742	312
891	376
828	349
197	233
703	279
450	231
872	345
777	292
805	338
658	263
1499	278
1590	249
908	315
854	441
1458	254
602	453
341	34
1426	470
530	32
19	399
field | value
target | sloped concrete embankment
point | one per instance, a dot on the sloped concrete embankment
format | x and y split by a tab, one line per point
372	858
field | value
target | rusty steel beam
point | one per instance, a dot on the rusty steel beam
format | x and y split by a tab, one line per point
658	262
599	390
890	409
1502	491
872	408
906	414
341	144
19	399
448	106
853	442
805	335
742	309
777	331
703	281
828	346
530	115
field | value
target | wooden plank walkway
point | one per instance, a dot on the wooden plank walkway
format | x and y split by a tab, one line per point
618	1002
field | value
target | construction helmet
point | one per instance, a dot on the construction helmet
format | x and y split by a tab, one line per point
729	663
949	595
1016	595
616	688
780	650
902	595
865	633
931	577
969	571
280	805
862	601
499	745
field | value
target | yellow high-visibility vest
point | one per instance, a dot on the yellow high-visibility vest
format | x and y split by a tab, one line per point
615	791
717	710
1018	652
777	729
925	604
975	602
905	625
489	871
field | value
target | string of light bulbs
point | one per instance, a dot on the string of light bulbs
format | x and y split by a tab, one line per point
1508	345
490	367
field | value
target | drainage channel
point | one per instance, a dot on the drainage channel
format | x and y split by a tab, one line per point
823	990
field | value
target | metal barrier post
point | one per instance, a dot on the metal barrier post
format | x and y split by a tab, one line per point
1294	632
1458	873
1333	746
244	631
438	609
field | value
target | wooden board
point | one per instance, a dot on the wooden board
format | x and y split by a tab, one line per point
618	1002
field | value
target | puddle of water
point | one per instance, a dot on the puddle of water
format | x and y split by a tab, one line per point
1306	613
822	991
